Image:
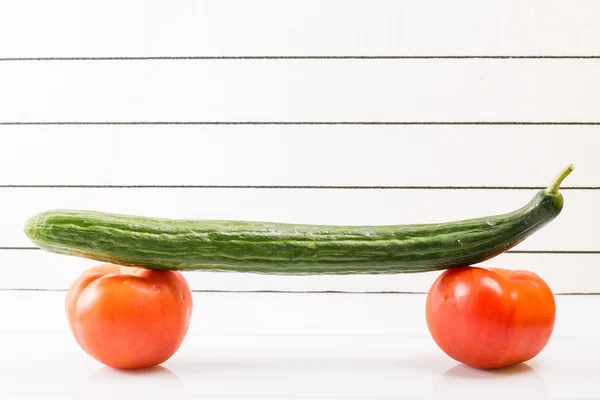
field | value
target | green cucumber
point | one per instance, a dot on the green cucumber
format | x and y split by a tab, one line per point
293	249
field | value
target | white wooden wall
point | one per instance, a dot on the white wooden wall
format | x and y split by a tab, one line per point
329	111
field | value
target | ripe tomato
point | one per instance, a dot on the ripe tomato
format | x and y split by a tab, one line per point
129	317
490	318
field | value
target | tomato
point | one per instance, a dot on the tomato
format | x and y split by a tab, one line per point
128	317
490	318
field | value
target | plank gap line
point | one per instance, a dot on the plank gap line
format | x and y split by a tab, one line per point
522	123
309	57
291	187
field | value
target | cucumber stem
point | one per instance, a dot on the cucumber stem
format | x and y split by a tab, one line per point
553	188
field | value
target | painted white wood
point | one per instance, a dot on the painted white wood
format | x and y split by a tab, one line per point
298	155
78	28
301	90
574	230
564	273
309	90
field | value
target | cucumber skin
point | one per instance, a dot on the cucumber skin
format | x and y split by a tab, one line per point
287	249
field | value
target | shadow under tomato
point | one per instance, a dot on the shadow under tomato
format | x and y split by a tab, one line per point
520	381
116	384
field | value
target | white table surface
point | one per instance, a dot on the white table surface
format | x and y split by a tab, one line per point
293	346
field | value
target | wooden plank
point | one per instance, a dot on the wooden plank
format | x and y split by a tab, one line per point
419	156
70	28
301	90
565	273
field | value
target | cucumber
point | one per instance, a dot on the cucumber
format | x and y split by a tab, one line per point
290	249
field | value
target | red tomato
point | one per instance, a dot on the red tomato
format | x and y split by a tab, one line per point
129	317
490	318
